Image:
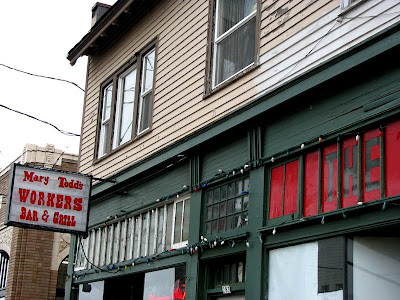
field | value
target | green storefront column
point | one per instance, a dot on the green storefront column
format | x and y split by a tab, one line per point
192	267
254	266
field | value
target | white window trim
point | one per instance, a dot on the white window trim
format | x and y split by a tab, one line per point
144	93
181	243
119	103
221	38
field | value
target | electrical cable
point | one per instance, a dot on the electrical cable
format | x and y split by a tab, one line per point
45	122
43	76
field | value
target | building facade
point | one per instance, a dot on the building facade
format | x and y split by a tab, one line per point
241	150
33	263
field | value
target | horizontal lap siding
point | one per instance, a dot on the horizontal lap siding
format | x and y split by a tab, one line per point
294	37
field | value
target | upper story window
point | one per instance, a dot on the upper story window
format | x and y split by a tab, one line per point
234	39
126	102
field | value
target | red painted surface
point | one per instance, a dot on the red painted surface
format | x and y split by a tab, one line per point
392	154
374	155
311	184
276	192
350	146
291	187
329	179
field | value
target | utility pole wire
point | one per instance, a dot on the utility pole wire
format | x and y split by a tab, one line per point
42	76
45	122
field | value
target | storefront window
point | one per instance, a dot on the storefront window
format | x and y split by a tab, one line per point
354	268
227	206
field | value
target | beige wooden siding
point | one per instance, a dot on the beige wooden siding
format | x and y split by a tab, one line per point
294	37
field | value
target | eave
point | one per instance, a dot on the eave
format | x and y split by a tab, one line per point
110	25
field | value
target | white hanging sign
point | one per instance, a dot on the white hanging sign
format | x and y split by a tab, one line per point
48	199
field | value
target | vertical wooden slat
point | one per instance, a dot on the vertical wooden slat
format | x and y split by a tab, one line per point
96	259
86	247
109	244
164	228
155	231
103	249
132	231
123	242
92	244
146	246
139	236
116	242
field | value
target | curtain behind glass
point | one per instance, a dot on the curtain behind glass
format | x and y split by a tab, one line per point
236	51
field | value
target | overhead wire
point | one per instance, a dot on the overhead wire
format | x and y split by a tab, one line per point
43	76
45	122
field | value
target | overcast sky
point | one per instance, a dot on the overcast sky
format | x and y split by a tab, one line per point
35	37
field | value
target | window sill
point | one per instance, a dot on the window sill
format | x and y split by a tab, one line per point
210	91
348	8
112	152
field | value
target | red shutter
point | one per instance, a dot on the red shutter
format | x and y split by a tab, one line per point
311	185
329	178
276	192
371	166
291	187
349	174
392	164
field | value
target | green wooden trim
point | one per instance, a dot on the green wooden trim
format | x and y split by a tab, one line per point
254	252
359	218
95	275
70	268
371	47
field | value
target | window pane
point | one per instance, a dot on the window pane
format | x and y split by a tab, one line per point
222	209
186	220
235	52
209	197
144	112
107	97
209	213
224	192
102	140
148	72
124	109
178	222
239	187
231	12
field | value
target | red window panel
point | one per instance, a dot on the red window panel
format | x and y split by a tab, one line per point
276	192
291	187
349	172
311	184
371	166
392	155
329	178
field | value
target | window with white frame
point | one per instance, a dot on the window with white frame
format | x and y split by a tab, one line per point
4	258
144	234
125	110
234	38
